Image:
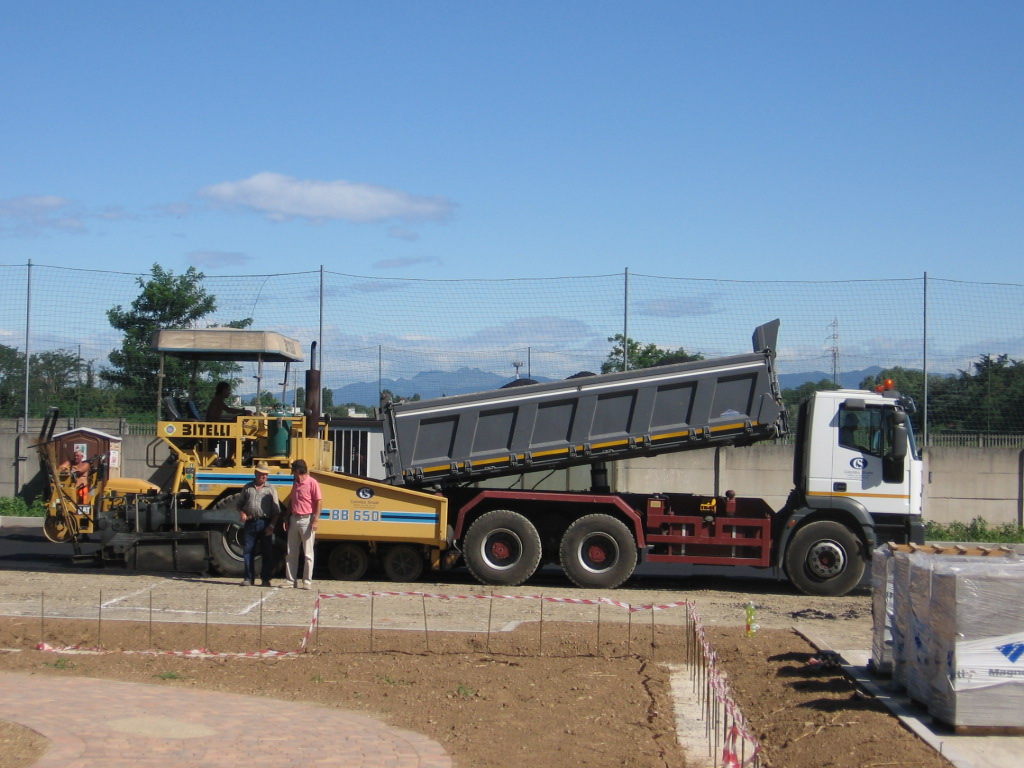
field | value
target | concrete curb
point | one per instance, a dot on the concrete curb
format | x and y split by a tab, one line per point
8	521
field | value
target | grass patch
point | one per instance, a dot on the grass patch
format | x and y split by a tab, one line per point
977	530
62	663
391	681
170	676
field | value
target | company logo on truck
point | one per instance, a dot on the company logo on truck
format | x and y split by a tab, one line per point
205	430
859	463
365	493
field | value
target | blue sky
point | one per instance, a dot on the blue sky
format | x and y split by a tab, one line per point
740	140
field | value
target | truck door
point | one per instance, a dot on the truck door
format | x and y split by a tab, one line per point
866	461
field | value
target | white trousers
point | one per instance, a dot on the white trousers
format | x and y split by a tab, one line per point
300	538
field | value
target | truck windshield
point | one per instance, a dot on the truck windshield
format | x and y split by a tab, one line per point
870	430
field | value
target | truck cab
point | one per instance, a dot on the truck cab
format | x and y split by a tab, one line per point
857	468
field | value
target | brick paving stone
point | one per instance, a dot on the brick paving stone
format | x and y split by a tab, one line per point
109	724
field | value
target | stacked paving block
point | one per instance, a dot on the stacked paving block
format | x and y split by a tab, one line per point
952	632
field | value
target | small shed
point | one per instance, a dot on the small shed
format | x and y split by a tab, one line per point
92	443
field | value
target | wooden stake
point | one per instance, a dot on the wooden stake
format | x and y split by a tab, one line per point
652	633
426	635
542	626
490	614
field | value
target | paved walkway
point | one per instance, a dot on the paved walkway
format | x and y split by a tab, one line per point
107	724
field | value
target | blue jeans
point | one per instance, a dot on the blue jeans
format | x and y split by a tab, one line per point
256	531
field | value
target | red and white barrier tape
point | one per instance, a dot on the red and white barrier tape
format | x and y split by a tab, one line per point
719	687
315	619
195	653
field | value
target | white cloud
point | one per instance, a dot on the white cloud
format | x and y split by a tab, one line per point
282	198
29	214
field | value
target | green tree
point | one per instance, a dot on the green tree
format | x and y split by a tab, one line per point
987	398
166	301
12	382
643	355
268	402
56	380
400	398
94	400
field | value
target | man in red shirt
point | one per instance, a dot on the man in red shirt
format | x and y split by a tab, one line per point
305	504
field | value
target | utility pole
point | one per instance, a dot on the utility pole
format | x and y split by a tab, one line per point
834	350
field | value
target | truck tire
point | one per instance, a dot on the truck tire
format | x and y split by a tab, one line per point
226	547
502	548
598	551
403	562
824	558
348	561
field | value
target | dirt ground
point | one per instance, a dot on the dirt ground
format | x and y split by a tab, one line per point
588	693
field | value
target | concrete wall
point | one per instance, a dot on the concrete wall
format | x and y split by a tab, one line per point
764	472
959	483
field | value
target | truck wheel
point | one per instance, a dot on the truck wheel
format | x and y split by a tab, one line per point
598	551
502	548
348	561
403	562
226	547
823	558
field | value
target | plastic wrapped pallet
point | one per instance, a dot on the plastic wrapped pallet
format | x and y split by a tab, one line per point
900	616
881	610
920	651
977	607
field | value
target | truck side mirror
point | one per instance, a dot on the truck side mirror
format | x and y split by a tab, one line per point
900	441
893	463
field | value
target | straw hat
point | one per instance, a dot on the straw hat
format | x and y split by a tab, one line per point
263	468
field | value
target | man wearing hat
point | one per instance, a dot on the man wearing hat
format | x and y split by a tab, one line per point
259	509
